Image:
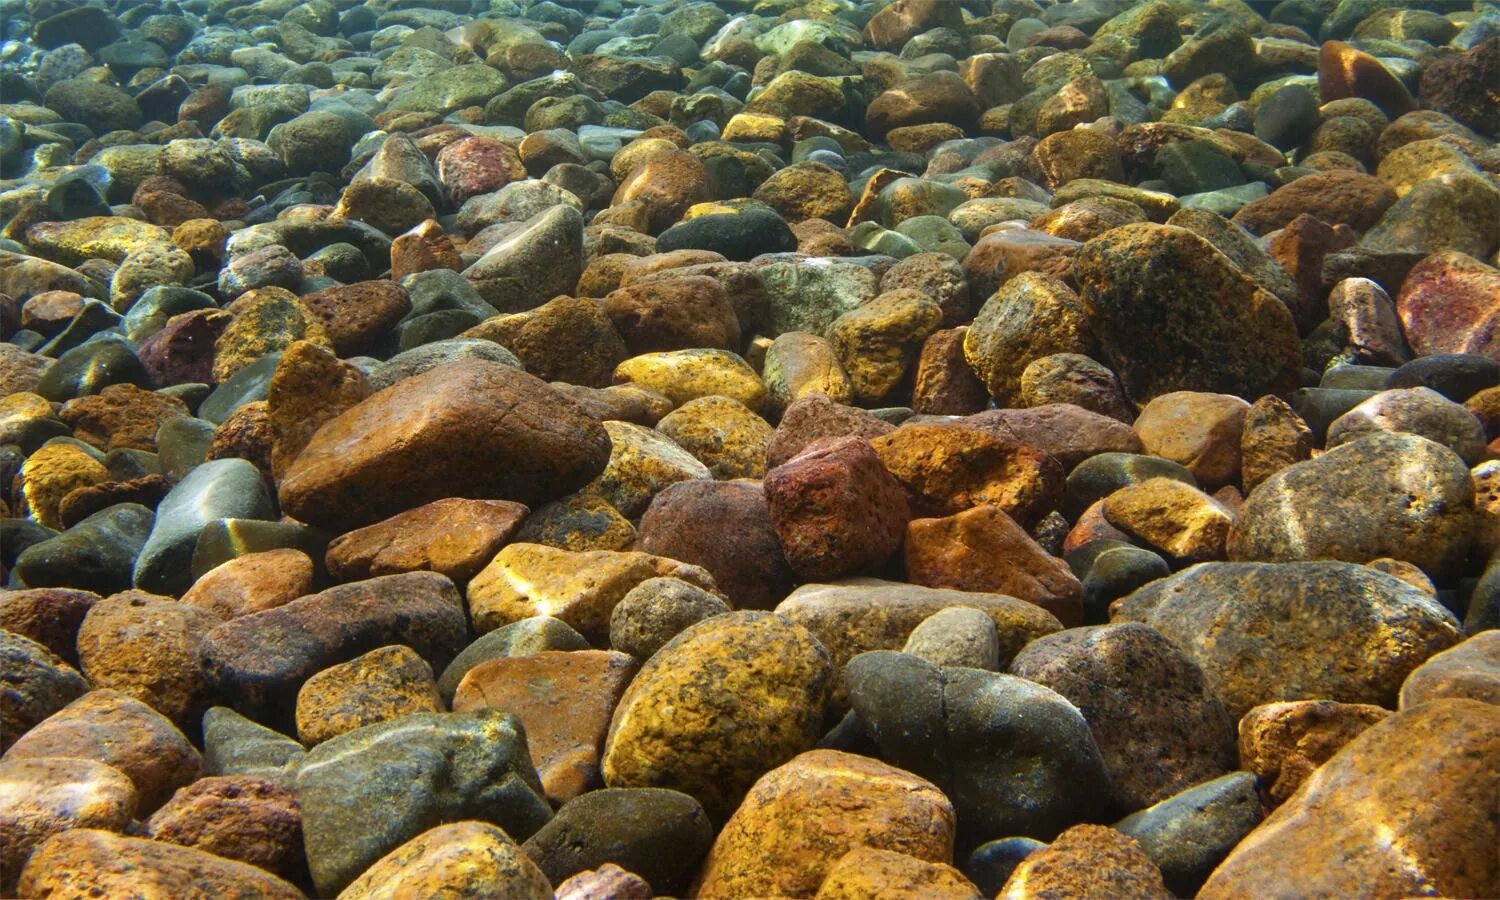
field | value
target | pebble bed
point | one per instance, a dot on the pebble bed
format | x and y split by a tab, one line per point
749	449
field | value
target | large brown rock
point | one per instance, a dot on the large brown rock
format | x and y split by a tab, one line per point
1470	669
1405	809
453	537
475	428
43	797
146	646
780	841
253	582
1450	303
1338	197
1285	743
36	684
90	863
239	817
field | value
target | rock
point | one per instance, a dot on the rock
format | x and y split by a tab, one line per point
44	797
357	316
878	342
1357	650
1437	837
563	699
659	834
1447	305
243	818
1456	85
657	610
957	636
540	260
1419	411
543	447
48	616
723	434
1471	670
110	728
946	469
384	684
1337	197
1200	431
983	550
221	489
565	339
683	375
738	236
234	745
775	846
50	474
800	366
459	858
814	418
1159	726
769	676
1069	434
836	509
1411	499
1087	861
865	872
642	463
252	583
1203	344
1015	757
101	108
452	537
420	770
1176	519
1285	743
609	880
1191	832
1272	438
260	661
1441	213
146	647
580	588
1033	315
96	554
121	415
37	684
103	864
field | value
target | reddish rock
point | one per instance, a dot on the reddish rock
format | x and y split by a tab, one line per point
1463	86
422	249
984	550
1069	434
43	797
252	583
1007	252
1199	430
945	385
454	537
477	165
238	817
1300	247
111	728
358	315
675	313
50	311
1093	526
564	699
895	24
146	647
36	685
687	522
949	468
1088	862
817	418
183	351
50	616
80	503
90	863
666	184
247	434
836	509
1450	303
1338	197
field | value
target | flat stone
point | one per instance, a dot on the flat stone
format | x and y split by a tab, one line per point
252	583
453	537
102	864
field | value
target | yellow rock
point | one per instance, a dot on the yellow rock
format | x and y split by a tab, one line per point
755	127
265	320
94	237
464	859
683	375
801	819
49	474
1173	517
526	580
642	464
723	434
380	685
865	873
804	365
722	207
878	342
724	702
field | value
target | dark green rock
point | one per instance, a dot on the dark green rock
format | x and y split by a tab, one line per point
1190	833
738	236
217	489
93	318
224	539
658	834
368	791
991	863
1287	117
523	638
101	107
1099	476
182	444
98	554
245	386
92	367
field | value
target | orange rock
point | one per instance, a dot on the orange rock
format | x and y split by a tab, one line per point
422	249
800	819
464	859
239	817
564	699
1284	743
1346	72
43	797
122	415
1201	431
309	388
1087	862
983	549
454	537
947	469
89	863
866	873
253	582
384	684
667	183
1174	518
146	646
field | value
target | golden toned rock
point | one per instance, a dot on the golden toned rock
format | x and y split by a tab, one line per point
1284	743
43	797
866	873
1032	315
799	820
877	343
667	183
1273	437
1199	430
947	469
121	415
1175	518
725	701
146	646
807	190
454	537
383	684
564	699
90	863
1471	669
565	339
754	127
800	365
581	588
464	859
725	435
93	237
265	320
253	582
1087	862
984	550
50	474
642	463
309	388
1405	809
683	375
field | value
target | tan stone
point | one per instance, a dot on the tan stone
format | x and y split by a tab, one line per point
947	469
240	817
454	537
723	434
683	375
1175	518
1284	743
265	320
1087	862
1199	430
1273	437
799	820
581	588
1470	669
564	699
1405	809
43	797
309	388
464	859
251	583
642	463
378	686
800	365
984	550
146	647
866	873
90	863
50	474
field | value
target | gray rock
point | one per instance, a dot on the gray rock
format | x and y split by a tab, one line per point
1418	410
218	489
98	554
808	298
429	356
1190	833
91	367
537	263
523	638
455	88
958	636
182	444
245	386
367	791
657	610
1263	632
234	745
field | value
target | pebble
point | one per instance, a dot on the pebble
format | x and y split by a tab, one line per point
48	796
657	834
459	858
